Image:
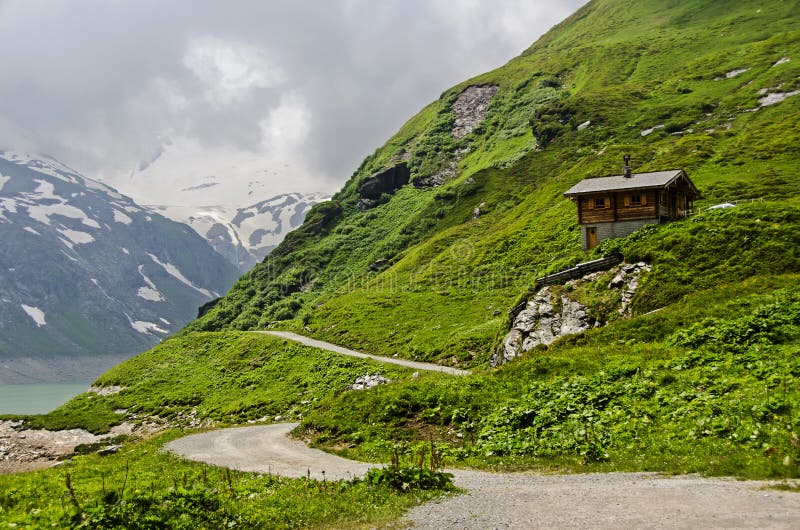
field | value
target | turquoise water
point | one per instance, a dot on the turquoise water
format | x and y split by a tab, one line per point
37	398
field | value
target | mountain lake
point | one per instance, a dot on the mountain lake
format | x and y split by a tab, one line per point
37	398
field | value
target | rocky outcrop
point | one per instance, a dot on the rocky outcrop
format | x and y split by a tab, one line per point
386	181
548	316
23	449
368	381
627	281
106	390
470	108
378	264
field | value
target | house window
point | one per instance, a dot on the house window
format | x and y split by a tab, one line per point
599	203
636	200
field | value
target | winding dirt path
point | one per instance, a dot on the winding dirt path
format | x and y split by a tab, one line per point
314	343
265	449
522	500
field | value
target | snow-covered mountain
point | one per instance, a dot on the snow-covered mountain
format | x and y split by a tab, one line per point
246	235
87	276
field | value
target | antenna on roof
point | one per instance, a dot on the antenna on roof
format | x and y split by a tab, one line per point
627	159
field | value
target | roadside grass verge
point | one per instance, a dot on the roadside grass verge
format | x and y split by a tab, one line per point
145	487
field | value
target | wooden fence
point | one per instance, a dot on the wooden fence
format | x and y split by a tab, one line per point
579	270
689	213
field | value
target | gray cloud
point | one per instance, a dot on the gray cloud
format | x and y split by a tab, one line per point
300	91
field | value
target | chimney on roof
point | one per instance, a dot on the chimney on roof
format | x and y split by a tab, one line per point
627	159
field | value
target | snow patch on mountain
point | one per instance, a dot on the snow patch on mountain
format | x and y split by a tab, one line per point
150	291
42	213
146	327
76	237
246	235
36	314
173	271
120	217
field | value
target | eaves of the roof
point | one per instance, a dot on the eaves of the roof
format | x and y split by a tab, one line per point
657	179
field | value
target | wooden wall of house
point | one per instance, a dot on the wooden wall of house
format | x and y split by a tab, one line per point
629	212
618	207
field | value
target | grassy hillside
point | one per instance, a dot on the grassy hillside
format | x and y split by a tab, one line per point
215	378
623	66
709	384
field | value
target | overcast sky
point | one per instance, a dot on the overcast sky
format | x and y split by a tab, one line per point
278	95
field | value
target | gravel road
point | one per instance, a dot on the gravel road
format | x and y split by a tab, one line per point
522	500
288	335
607	500
265	449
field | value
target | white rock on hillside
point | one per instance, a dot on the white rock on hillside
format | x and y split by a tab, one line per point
548	317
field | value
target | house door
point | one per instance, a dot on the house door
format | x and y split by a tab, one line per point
591	237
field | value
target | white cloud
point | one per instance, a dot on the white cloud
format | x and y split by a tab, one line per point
253	97
508	21
287	126
171	94
230	70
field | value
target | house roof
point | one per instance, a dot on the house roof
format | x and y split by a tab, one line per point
657	179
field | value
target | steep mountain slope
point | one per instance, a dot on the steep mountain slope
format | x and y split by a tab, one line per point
244	236
427	270
89	277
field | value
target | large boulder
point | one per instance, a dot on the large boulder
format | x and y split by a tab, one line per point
386	181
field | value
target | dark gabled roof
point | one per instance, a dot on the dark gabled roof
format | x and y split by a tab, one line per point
657	179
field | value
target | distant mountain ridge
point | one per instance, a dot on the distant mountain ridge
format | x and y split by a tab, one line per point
86	274
244	236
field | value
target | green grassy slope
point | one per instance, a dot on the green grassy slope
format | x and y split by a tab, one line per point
224	378
625	66
709	384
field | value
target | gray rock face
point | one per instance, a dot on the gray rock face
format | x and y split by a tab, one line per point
627	281
386	181
547	317
470	108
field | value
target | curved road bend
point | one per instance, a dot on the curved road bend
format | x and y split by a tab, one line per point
522	500
265	449
314	343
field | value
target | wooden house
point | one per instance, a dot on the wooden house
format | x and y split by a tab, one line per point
617	206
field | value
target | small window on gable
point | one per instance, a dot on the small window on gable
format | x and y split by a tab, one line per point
636	200
599	203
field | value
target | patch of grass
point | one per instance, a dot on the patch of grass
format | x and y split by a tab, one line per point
786	486
144	487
